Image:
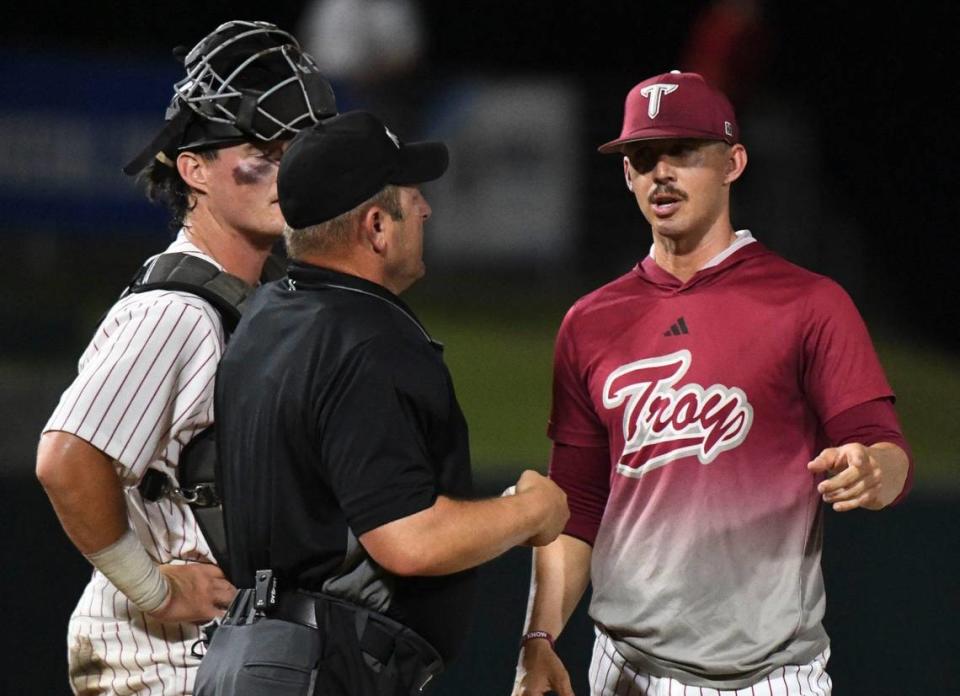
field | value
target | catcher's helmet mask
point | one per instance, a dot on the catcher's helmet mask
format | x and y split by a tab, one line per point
245	81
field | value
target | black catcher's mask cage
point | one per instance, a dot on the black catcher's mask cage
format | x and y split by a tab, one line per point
244	81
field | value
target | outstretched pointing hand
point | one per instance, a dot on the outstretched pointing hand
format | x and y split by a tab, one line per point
867	477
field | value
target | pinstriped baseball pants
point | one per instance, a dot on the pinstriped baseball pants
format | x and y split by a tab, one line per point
114	648
610	675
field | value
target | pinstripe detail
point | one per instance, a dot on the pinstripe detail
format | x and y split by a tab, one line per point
169	660
89	611
101	592
180	421
144	388
123	329
143	379
642	690
190	359
173	665
181	528
118	663
609	673
126	327
157	345
106	651
157	554
183	664
143	620
119	641
813	687
128	349
606	675
128	609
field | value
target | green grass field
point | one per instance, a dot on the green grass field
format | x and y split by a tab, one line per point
501	366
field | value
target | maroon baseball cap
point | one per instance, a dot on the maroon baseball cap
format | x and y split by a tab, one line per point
675	105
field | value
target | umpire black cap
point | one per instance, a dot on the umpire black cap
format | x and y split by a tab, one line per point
339	163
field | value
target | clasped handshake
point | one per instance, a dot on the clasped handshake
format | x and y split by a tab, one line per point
546	501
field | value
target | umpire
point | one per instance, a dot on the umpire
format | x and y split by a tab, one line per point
345	462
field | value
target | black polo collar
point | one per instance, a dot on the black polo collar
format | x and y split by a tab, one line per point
306	276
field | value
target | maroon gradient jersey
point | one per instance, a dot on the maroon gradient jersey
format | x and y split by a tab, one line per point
710	396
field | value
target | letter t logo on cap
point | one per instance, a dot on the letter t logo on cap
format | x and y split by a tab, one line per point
653	94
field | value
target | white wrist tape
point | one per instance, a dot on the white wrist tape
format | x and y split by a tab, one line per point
127	565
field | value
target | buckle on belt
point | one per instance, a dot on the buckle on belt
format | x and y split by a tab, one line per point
264	591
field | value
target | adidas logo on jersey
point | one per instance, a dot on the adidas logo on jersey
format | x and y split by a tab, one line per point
678	327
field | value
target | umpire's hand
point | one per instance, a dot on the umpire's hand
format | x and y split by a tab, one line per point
543	494
199	592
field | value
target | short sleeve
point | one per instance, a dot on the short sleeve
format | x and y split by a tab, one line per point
840	365
146	376
573	420
389	397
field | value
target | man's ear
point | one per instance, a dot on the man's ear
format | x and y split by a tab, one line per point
736	163
626	173
193	170
374	226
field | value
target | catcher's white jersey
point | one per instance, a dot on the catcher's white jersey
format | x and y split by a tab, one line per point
143	390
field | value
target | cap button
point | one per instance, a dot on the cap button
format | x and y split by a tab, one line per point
674	72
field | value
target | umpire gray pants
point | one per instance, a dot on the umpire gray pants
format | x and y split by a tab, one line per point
314	645
266	658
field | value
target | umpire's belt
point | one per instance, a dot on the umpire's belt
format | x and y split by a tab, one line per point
297	607
377	635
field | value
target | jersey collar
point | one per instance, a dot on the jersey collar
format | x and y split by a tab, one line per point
742	247
306	276
741	239
183	245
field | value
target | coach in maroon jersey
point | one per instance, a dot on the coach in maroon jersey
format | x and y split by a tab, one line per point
704	404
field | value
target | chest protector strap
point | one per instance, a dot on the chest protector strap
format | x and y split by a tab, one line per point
225	292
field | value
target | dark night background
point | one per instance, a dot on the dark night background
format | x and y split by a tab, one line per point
877	85
870	91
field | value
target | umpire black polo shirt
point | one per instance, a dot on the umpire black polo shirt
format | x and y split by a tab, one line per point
335	415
